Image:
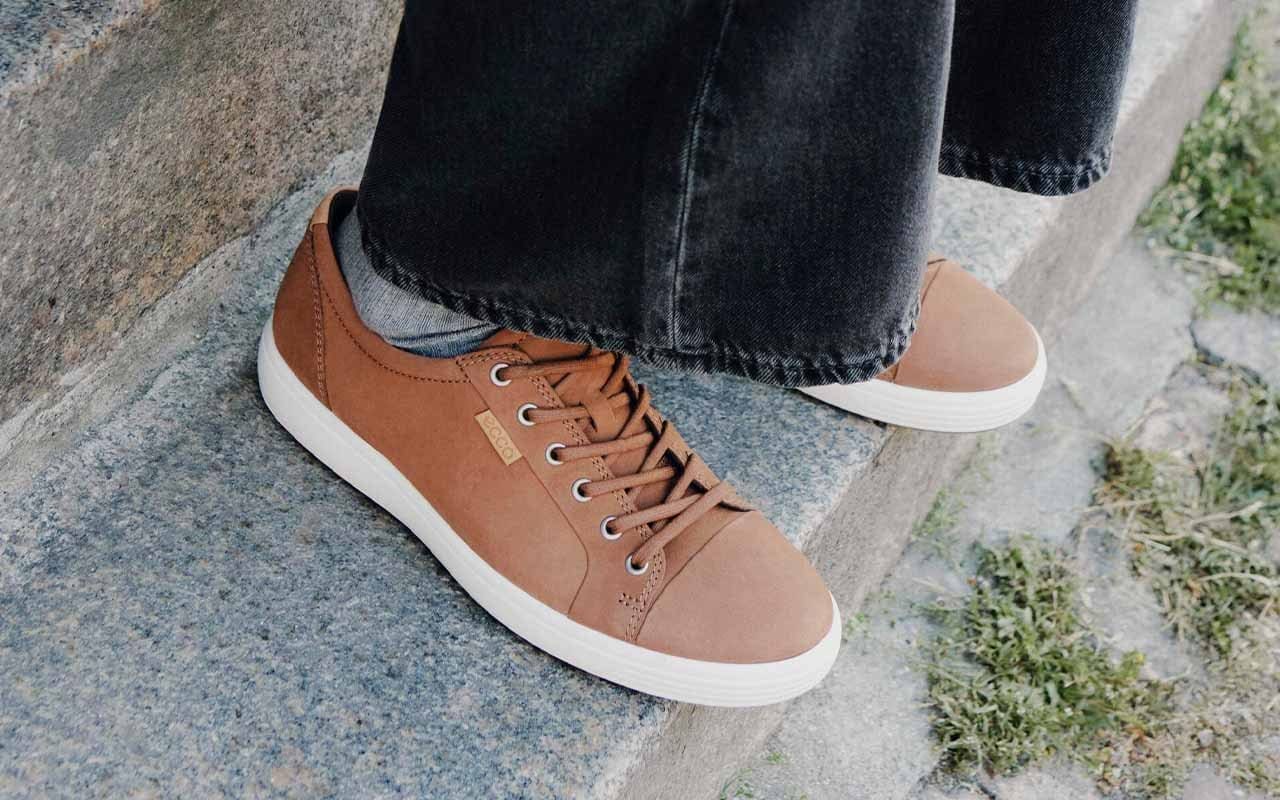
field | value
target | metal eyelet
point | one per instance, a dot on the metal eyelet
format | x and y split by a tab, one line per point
522	414
576	490
634	570
606	533
493	375
552	460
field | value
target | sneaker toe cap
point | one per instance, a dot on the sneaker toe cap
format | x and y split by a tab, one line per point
748	596
969	338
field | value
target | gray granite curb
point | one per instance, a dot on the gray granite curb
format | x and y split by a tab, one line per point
138	136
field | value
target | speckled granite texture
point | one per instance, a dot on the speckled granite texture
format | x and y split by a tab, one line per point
138	136
36	35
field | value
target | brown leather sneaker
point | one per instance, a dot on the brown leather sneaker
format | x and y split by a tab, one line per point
540	476
974	362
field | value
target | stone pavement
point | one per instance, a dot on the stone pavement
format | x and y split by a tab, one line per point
1121	365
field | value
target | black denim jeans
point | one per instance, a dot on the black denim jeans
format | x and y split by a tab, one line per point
720	185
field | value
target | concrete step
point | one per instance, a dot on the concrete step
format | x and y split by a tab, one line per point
202	609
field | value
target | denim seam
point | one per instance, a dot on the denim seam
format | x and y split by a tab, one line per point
690	160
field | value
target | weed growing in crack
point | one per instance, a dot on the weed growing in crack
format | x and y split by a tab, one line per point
738	787
1201	530
1220	212
934	531
855	627
1015	675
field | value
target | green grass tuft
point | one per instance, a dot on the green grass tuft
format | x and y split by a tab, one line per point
1015	675
1220	211
855	627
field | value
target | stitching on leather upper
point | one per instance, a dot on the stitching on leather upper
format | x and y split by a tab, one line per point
317	323
937	273
373	358
468	359
579	438
640	608
701	547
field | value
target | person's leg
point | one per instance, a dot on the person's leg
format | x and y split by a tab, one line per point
714	186
401	317
721	193
1032	109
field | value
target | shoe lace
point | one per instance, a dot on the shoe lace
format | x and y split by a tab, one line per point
692	489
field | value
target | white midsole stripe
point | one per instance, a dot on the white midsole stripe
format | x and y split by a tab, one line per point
949	412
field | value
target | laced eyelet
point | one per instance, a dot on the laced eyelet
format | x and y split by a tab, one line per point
634	570
576	490
522	414
493	375
551	448
606	533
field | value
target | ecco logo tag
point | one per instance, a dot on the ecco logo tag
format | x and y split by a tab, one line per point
502	444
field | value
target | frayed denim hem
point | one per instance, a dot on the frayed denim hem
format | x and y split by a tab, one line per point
1045	176
779	369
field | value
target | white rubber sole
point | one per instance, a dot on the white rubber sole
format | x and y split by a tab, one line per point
683	679
949	412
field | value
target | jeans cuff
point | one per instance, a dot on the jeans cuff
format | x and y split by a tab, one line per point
789	369
1043	176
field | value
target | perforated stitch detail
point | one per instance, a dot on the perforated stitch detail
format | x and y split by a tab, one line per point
317	322
640	605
